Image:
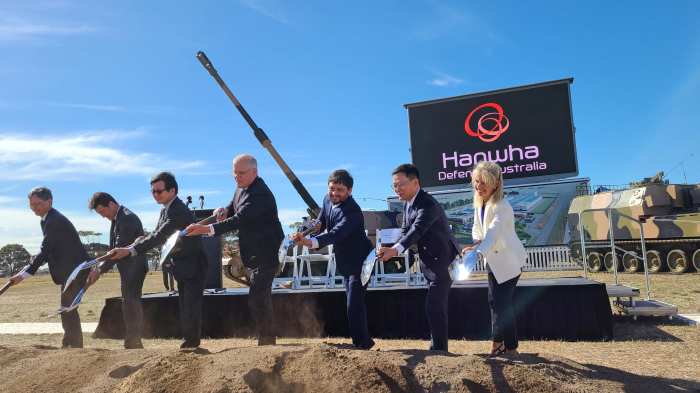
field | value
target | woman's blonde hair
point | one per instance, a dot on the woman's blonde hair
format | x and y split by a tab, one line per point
490	173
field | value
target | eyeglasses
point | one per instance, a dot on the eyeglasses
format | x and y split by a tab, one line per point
239	174
157	192
35	205
397	186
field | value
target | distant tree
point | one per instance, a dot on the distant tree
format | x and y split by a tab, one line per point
96	250
296	225
152	255
88	237
230	244
13	257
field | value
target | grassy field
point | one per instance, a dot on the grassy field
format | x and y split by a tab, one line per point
37	297
651	346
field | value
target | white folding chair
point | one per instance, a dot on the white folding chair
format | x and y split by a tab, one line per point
305	259
279	281
390	236
331	276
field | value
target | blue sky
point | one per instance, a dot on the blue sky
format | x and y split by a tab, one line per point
99	96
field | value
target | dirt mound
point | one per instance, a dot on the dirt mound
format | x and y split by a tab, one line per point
303	368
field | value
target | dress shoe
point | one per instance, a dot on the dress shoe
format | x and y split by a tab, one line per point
185	344
367	344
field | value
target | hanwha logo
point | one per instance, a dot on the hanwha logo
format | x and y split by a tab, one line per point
496	119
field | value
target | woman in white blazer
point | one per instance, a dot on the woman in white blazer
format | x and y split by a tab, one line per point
496	242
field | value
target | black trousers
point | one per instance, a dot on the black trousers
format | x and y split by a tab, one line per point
132	289
436	309
503	325
168	275
260	300
357	312
191	291
73	332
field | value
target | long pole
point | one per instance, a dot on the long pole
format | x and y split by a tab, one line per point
263	139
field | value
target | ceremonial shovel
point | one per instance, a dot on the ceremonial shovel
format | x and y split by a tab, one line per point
168	246
9	283
463	266
368	266
287	241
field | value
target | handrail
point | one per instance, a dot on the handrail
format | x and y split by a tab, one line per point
612	243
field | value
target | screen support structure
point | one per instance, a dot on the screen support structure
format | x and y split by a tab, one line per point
313	208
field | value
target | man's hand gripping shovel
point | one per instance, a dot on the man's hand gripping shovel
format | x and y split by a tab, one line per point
94	264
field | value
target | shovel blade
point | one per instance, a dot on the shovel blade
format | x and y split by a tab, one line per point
462	267
282	254
73	275
368	266
168	246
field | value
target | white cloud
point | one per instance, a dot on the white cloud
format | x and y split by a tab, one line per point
21	226
5	199
322	171
453	23
12	187
19	29
444	80
290	216
24	157
268	9
96	107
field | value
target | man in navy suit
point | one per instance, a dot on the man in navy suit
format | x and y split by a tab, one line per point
126	229
425	223
343	219
63	251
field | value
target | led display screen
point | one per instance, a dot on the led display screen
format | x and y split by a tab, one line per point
528	131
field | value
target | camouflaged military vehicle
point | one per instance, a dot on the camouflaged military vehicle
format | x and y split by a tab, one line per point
669	216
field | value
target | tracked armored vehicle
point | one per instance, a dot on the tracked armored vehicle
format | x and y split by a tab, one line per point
669	217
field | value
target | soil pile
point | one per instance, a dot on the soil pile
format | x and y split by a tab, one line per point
305	368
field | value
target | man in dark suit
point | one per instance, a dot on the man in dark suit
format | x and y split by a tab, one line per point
190	259
343	219
63	251
126	229
168	275
425	223
253	212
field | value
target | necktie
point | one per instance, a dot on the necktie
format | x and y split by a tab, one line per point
112	234
163	217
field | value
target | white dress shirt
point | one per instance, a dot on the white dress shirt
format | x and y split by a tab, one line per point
398	246
211	226
25	274
162	211
314	242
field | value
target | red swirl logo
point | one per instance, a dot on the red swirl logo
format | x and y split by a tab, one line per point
484	133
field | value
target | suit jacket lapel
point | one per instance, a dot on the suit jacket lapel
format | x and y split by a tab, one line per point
486	216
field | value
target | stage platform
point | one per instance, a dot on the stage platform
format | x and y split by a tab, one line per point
558	308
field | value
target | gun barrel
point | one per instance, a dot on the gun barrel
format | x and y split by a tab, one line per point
314	209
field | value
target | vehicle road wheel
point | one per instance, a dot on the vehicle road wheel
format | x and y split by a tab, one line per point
631	263
677	261
655	262
391	267
696	260
288	271
595	261
609	261
317	270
